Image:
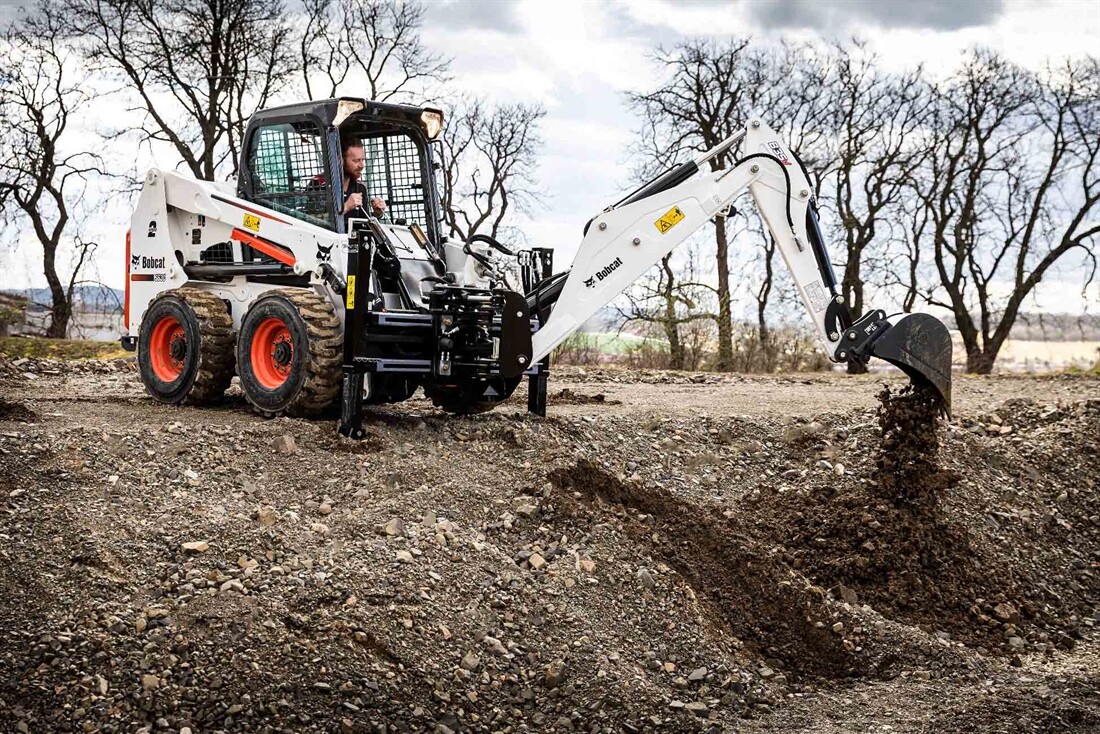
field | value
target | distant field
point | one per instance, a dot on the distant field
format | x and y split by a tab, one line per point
1018	355
32	346
1021	355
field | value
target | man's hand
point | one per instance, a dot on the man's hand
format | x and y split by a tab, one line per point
378	206
354	201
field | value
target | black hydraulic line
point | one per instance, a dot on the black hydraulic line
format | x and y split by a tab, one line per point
664	182
545	294
817	240
491	242
786	175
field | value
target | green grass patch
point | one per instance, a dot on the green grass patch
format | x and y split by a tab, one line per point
38	347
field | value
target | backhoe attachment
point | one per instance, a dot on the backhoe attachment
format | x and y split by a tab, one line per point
631	236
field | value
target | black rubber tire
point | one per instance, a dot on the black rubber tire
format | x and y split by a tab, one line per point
313	382
208	370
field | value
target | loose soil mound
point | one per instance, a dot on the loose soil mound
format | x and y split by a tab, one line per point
899	543
774	609
14	411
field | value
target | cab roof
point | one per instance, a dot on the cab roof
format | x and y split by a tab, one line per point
336	110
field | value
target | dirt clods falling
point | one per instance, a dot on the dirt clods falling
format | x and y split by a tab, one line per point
908	470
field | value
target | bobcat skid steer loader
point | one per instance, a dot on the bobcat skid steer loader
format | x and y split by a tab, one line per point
313	307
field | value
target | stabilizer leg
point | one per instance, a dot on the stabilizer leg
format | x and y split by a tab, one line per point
536	389
351	405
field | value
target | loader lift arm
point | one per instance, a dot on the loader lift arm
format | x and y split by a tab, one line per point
624	241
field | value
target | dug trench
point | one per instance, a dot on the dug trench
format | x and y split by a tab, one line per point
791	574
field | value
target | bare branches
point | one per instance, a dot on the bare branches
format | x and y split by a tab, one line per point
489	164
709	91
371	44
42	182
195	69
1011	183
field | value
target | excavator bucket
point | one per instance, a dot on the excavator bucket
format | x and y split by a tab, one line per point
920	346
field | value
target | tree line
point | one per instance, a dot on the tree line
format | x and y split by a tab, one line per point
187	74
961	190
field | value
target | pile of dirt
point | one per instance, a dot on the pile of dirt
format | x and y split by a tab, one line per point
773	608
16	411
893	541
572	397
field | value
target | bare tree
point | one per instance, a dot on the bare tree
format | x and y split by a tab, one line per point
668	299
195	69
489	165
377	40
699	104
43	175
1013	187
876	119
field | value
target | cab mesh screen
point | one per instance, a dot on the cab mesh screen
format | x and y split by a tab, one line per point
393	173
288	172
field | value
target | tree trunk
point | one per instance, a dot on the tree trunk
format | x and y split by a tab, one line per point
725	319
855	367
672	328
60	308
981	361
763	337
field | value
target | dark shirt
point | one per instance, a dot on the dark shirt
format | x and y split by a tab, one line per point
355	186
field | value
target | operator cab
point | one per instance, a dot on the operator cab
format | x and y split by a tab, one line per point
293	164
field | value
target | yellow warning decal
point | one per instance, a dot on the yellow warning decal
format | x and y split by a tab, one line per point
351	292
251	221
671	218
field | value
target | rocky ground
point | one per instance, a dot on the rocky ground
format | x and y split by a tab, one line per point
664	552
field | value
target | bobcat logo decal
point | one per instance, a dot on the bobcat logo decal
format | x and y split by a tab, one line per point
590	282
135	261
324	254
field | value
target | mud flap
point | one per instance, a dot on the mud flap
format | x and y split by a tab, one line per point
920	346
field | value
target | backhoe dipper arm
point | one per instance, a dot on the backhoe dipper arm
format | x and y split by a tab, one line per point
623	242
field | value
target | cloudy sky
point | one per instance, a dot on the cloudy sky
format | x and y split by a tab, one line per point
579	58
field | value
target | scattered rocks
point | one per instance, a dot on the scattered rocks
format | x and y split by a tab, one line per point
199	592
285	444
555	674
470	661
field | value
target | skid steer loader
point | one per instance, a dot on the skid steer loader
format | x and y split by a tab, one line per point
269	280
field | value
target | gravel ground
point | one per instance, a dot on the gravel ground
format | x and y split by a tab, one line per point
664	552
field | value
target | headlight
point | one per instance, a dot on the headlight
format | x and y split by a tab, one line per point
432	122
345	108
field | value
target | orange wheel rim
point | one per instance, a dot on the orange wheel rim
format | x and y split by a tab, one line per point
168	349
272	353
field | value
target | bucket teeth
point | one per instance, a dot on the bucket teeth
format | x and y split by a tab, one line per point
919	345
